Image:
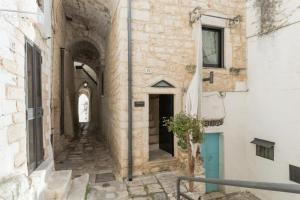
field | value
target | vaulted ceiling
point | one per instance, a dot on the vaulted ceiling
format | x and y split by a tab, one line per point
88	22
93	15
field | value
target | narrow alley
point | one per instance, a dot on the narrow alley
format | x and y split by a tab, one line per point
130	99
87	154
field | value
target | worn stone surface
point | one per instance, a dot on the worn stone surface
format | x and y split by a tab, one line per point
78	158
163	45
78	188
164	188
13	75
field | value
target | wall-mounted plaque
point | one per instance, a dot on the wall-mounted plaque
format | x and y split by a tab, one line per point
139	104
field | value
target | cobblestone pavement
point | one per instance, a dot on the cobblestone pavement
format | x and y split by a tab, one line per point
87	155
160	186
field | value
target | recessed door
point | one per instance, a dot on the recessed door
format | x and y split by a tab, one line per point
166	110
210	152
34	109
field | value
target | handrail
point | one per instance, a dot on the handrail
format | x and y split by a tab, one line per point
279	187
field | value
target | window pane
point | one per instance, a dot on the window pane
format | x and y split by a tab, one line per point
211	47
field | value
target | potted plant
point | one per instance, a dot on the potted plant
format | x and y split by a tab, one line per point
188	129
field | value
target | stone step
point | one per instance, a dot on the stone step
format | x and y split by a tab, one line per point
153	139
58	184
231	196
213	196
153	131
153	147
151	124
240	196
79	188
150	116
161	165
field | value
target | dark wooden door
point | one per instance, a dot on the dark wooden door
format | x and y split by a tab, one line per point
166	110
34	109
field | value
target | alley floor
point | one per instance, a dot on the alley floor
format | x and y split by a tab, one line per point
87	155
158	186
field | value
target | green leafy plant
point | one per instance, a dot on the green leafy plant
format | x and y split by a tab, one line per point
184	126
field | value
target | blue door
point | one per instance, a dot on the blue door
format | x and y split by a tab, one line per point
210	152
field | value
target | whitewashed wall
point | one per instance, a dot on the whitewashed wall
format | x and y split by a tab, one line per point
270	110
14	28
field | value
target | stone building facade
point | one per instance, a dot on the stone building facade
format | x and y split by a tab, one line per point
16	29
84	50
163	46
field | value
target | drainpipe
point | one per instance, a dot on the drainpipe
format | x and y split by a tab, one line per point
130	159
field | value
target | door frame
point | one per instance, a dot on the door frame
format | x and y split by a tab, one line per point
35	112
221	157
178	107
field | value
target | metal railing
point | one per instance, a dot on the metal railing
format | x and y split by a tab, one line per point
279	187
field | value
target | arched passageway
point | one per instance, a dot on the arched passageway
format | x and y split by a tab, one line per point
83	108
81	145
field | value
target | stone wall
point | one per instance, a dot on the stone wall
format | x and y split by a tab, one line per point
14	28
164	44
114	107
59	33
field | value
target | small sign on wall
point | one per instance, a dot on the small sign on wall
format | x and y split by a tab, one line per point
139	104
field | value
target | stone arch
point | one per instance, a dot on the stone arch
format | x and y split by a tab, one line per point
84	90
86	52
98	45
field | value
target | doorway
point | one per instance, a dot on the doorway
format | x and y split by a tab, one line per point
34	108
161	141
211	155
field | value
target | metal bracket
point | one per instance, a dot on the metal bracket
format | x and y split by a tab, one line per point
196	14
210	78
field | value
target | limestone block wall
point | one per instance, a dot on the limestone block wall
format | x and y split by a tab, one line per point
14	28
114	108
163	45
59	33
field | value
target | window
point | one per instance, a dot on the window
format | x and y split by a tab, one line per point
213	47
264	149
294	174
264	152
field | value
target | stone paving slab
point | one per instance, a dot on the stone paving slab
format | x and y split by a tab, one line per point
86	155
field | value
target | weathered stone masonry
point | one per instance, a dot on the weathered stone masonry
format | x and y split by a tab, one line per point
163	43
